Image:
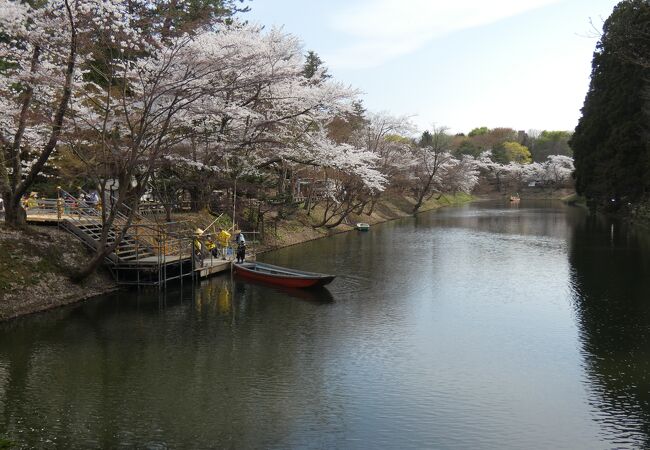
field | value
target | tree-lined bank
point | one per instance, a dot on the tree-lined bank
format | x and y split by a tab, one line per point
188	105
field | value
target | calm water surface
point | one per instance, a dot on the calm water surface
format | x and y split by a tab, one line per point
486	326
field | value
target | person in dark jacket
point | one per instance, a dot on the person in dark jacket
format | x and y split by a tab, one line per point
241	251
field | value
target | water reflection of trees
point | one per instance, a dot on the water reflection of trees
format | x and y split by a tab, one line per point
189	367
529	218
611	283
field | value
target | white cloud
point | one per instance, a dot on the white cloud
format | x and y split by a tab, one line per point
381	30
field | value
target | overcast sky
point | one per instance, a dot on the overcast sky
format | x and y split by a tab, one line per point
522	64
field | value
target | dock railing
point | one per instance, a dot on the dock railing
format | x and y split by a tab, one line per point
151	251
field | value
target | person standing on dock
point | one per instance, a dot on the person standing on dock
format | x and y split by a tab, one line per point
224	241
93	199
241	250
210	246
198	247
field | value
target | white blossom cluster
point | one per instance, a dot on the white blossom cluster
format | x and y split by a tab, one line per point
556	170
225	100
229	100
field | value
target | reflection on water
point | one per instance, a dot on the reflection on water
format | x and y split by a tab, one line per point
611	283
486	326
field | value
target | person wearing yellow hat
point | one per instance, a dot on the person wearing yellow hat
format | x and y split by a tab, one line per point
224	240
198	246
210	246
32	201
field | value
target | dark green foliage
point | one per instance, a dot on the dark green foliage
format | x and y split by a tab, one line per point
478	131
173	17
466	147
312	64
499	154
549	143
426	140
611	143
341	128
167	18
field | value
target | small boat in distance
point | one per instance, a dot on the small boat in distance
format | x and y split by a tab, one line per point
281	276
514	198
362	226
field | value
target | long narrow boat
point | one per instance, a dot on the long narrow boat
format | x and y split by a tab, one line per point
281	276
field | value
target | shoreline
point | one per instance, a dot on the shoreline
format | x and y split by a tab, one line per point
34	268
45	285
388	209
34	272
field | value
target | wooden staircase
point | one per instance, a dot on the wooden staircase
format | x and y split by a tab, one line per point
146	253
128	250
149	253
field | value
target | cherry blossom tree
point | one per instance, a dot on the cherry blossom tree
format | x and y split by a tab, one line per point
262	106
555	172
233	100
458	175
40	56
495	170
426	163
350	179
560	169
386	136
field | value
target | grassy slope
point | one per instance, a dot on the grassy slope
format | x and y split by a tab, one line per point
299	228
34	269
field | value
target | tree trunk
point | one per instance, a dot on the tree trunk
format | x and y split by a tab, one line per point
326	218
90	267
309	201
423	193
196	199
344	214
419	202
373	203
15	214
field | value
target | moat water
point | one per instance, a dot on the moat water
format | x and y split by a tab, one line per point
485	326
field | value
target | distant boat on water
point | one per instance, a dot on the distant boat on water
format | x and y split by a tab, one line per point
362	226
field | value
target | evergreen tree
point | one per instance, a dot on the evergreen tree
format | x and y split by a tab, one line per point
426	140
611	145
342	127
314	67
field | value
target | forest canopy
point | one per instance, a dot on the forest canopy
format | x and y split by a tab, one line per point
611	143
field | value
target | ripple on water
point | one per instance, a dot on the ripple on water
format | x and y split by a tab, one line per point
447	330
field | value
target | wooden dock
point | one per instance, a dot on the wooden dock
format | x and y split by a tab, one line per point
213	266
209	267
140	259
44	218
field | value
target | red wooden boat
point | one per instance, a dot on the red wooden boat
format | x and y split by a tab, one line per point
281	276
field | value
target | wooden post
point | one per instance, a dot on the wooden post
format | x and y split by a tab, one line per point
59	204
234	204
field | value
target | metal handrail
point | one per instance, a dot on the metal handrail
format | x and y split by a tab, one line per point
146	244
